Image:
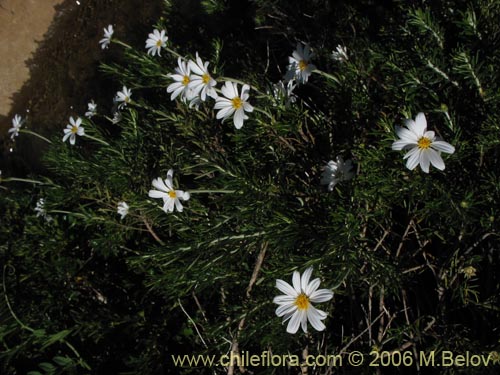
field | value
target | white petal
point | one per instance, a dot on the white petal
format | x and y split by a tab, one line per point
401	144
186	196
157	194
443	146
424	160
238	118
315	319
436	159
420	123
284	299
286	309
293	325
160	185
72	139
406	134
312	286
169	180
296	281
322	295
304	280
286	288
413	158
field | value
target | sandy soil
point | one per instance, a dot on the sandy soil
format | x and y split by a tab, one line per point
22	25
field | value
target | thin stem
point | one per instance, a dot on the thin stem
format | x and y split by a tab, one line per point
96	139
23	326
121	43
212	191
16	179
326	75
26	131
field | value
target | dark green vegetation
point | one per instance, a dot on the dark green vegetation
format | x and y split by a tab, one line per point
90	293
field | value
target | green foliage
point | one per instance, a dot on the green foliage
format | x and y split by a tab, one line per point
410	256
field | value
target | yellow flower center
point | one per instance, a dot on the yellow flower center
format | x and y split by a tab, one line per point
172	194
302	65
424	143
185	80
302	301
205	78
159	43
127	99
74	129
237	102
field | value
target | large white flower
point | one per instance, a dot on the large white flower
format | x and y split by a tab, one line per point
425	148
300	67
233	103
17	122
296	304
156	41
73	129
201	83
122	209
336	171
166	191
182	78
108	34
123	97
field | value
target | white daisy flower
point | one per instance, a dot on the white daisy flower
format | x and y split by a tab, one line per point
108	33
122	209
295	305
201	83
91	109
182	79
340	54
17	122
73	129
41	211
156	41
233	104
285	93
300	67
425	148
123	97
166	191
337	171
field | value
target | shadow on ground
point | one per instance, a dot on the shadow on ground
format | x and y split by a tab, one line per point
64	74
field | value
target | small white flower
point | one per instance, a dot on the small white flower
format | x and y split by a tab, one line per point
17	122
108	34
41	211
122	209
295	305
182	79
123	97
233	104
201	83
165	190
285	93
425	148
156	41
337	171
117	117
300	67
340	54
73	129
91	109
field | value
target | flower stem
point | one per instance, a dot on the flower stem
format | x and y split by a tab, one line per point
212	191
16	179
35	134
96	139
326	75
